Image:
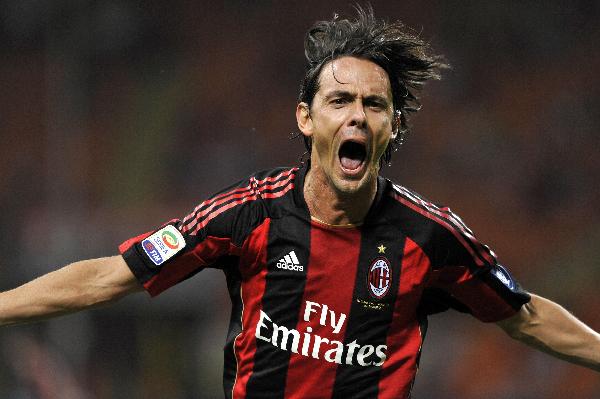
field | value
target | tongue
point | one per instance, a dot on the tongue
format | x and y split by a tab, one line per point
350	163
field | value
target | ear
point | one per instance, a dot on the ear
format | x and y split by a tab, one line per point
304	120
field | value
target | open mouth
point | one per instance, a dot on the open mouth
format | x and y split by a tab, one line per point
352	155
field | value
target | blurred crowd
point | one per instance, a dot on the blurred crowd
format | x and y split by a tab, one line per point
118	115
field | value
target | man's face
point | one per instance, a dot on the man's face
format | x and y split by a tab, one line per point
350	123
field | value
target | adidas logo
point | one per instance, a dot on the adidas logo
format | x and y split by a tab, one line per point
290	262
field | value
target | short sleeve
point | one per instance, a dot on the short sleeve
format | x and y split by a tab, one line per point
180	248
467	275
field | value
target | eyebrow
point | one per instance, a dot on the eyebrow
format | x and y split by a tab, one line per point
347	94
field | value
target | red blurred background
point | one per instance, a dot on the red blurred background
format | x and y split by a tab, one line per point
116	116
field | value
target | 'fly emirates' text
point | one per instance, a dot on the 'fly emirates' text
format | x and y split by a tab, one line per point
316	346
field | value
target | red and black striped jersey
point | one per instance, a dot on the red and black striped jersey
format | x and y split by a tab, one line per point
321	311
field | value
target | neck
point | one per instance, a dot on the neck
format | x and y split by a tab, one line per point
332	207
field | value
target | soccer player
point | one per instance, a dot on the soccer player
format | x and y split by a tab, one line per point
332	270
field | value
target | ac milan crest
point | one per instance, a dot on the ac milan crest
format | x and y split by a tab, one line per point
379	278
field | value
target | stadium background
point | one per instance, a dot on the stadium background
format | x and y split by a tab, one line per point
118	115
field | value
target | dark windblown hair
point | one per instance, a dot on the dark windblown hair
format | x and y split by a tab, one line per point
401	53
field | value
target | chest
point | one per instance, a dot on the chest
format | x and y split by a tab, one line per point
368	267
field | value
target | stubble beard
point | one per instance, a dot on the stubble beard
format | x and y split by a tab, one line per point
354	189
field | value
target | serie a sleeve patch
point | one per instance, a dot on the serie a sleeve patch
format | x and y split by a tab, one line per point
163	245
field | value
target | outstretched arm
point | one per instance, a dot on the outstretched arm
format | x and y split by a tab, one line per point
547	326
77	286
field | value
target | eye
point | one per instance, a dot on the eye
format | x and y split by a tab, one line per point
339	101
376	105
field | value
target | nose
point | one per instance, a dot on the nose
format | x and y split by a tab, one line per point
358	117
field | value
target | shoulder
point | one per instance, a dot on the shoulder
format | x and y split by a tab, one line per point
413	202
263	184
433	224
245	199
268	183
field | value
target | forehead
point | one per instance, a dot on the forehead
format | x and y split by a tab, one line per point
354	75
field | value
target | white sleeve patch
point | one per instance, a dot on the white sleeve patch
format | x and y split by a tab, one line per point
504	276
163	245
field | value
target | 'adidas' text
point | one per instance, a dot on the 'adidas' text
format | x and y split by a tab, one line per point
290	262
